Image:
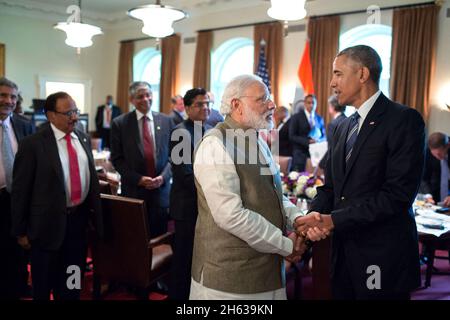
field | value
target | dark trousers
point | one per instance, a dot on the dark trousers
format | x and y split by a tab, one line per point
299	158
105	135
49	268
342	287
182	259
13	264
157	218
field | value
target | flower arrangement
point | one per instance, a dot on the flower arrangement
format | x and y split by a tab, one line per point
300	184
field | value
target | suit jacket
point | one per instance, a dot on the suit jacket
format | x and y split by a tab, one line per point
285	143
330	132
127	156
183	193
22	126
38	197
299	130
115	112
214	118
431	181
370	197
176	117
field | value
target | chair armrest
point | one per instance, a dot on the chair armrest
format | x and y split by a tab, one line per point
165	238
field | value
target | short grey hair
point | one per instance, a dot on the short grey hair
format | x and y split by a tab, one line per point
236	89
4	82
134	86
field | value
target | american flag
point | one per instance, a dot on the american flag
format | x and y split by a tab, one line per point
262	67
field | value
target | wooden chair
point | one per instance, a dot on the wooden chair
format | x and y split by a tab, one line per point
430	244
285	164
127	255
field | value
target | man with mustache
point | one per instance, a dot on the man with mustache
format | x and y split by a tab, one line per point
12	129
55	192
374	168
240	236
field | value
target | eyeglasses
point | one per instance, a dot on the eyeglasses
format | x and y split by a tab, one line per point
69	113
206	104
263	100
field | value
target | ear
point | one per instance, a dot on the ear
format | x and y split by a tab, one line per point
236	105
365	74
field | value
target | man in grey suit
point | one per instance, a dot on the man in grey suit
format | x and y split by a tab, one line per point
140	153
337	115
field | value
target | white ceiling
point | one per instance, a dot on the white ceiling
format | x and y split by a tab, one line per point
113	11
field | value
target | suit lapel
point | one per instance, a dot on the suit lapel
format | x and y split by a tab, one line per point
18	129
51	150
134	127
340	152
305	120
370	123
157	127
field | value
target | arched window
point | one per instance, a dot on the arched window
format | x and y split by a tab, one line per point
378	37
147	67
232	58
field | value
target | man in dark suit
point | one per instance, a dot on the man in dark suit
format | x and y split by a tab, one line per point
13	128
306	127
105	114
140	153
336	112
372	177
178	113
214	116
436	176
282	123
55	191
183	194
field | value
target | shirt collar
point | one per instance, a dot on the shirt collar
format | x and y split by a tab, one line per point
60	134
337	115
308	114
6	122
365	108
139	115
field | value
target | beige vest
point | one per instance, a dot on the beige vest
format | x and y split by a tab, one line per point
228	263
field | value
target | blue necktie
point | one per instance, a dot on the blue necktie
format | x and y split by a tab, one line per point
7	156
351	136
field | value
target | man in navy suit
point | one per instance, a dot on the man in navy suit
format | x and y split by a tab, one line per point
13	128
436	177
178	113
337	115
305	127
55	191
105	114
140	153
183	195
373	173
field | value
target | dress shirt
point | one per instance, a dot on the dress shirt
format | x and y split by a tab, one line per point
215	171
12	138
365	108
83	163
107	107
151	125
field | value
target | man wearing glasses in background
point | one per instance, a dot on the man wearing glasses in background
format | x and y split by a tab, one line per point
55	191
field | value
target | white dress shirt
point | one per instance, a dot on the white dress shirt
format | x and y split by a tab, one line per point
12	138
216	173
365	108
106	124
151	125
83	163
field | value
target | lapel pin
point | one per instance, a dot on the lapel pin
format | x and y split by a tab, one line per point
372	123
158	128
84	139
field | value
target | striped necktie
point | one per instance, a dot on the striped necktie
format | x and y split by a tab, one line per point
351	136
7	156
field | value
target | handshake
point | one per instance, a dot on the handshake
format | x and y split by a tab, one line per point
312	227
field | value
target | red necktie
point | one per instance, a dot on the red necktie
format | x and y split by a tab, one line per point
74	170
148	148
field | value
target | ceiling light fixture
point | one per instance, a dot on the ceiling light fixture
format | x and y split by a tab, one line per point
287	10
79	35
157	18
